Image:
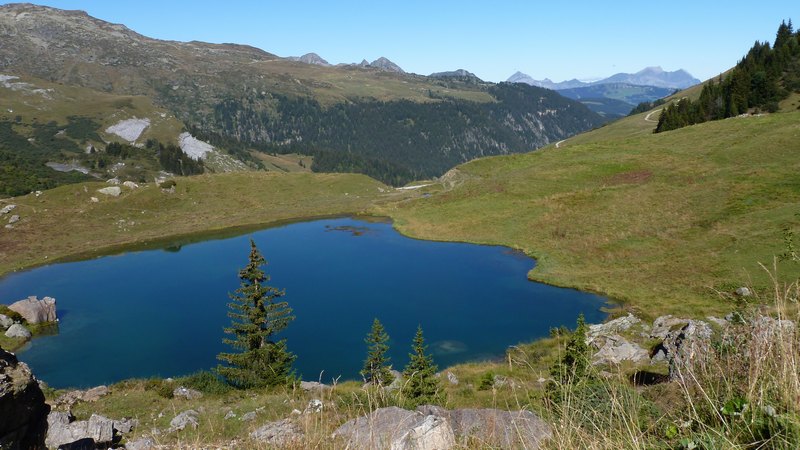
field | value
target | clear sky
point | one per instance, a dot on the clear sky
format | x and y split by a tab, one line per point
554	39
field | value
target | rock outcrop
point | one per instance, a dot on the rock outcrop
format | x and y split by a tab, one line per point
687	347
68	399
615	349
64	430
23	412
279	433
493	427
433	427
5	322
397	428
34	310
188	418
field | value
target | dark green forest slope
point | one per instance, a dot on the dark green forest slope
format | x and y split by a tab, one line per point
764	77
400	140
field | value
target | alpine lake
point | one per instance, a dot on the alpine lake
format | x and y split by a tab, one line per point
161	312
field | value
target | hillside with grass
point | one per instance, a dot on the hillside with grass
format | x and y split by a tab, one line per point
691	232
665	223
392	126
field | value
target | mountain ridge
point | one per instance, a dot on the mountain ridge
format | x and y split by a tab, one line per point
382	122
649	76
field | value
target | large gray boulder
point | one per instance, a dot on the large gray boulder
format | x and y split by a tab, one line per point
62	429
280	433
612	327
23	412
493	427
188	418
397	428
34	310
113	191
18	331
615	349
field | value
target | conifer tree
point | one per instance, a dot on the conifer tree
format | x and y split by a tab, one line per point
421	385
376	366
257	316
574	365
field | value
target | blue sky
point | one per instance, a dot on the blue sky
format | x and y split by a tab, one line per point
555	39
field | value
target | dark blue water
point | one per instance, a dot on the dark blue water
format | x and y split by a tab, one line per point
161	313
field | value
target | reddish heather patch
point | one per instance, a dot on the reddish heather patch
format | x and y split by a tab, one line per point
633	177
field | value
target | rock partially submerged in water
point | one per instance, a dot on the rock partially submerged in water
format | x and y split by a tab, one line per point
34	310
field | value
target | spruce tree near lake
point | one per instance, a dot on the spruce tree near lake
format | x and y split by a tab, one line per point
421	386
376	366
257	317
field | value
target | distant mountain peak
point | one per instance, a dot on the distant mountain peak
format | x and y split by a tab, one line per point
459	73
385	64
547	83
310	58
651	69
649	76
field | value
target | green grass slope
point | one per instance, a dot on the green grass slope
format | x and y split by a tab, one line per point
65	221
662	222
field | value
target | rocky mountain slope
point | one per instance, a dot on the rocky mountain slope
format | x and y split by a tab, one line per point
385	123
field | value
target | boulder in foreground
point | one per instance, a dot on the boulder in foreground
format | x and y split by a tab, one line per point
23	412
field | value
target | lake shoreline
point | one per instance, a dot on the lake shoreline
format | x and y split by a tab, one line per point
452	283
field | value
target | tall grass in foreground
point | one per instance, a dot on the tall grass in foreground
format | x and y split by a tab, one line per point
742	393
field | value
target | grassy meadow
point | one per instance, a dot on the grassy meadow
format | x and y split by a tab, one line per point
667	223
65	222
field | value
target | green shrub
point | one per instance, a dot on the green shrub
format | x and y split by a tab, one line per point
486	382
205	382
160	387
13	315
167	184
